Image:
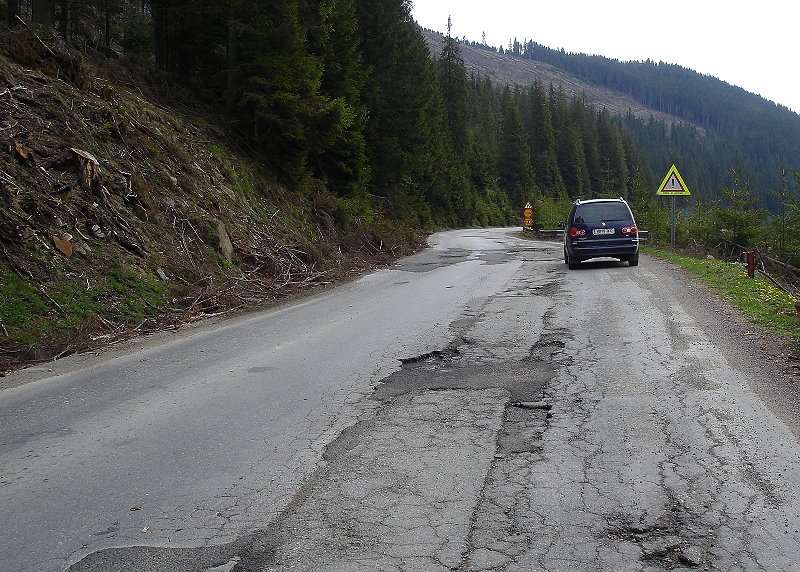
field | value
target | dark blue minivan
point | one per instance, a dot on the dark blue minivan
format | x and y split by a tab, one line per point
600	228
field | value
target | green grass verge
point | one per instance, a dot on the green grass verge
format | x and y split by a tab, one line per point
29	315
757	298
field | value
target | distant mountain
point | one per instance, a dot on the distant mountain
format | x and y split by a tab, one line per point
676	115
504	68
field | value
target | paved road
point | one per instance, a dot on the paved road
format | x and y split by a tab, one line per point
477	407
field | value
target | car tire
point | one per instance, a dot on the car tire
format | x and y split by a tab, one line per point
633	260
572	262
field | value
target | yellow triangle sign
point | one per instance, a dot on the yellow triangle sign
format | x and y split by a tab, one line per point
673	184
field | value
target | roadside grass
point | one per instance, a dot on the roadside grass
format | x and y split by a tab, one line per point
18	304
29	314
757	298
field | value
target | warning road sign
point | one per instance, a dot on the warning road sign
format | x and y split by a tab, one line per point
673	184
527	216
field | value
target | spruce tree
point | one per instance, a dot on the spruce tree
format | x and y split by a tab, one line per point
340	157
405	126
542	139
453	85
485	116
277	87
513	168
280	83
613	162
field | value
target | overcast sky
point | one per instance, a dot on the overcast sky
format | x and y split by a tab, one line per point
753	45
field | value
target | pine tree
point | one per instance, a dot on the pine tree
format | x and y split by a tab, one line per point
570	145
513	169
572	160
541	136
406	116
612	160
339	157
485	117
279	99
783	196
453	85
740	221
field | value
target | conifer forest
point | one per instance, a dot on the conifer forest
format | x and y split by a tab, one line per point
345	96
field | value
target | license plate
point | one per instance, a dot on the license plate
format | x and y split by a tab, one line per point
604	231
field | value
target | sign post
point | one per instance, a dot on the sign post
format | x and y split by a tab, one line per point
527	217
673	186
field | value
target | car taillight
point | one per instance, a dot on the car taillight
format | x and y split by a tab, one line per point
630	229
575	232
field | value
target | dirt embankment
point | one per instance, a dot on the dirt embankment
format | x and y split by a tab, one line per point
120	215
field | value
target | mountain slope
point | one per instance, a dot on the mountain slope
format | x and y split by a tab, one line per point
504	69
166	220
731	130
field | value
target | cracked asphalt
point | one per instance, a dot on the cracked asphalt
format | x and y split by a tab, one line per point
478	407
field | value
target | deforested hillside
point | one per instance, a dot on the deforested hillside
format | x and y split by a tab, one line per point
504	69
120	215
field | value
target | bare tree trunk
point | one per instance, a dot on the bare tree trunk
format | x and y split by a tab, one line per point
13	12
233	41
66	19
40	12
108	27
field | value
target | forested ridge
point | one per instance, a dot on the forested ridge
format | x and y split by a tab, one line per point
174	158
719	127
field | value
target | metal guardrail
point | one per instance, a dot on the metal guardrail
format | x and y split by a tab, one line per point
784	276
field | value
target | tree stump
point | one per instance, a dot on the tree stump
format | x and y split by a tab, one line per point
89	175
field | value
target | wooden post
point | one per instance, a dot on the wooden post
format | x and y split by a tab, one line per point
751	263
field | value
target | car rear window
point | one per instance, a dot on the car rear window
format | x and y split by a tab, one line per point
599	212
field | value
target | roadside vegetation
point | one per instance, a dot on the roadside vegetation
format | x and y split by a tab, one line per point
758	298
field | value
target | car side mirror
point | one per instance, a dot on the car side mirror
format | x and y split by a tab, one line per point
562	224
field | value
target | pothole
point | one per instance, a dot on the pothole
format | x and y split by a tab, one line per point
523	425
661	543
442	417
432	359
548	347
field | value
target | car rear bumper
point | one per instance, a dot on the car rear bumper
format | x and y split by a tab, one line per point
595	249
